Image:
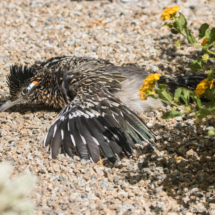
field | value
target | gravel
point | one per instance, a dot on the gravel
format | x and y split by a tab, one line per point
179	180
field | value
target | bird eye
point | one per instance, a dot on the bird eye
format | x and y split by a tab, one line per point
25	91
28	88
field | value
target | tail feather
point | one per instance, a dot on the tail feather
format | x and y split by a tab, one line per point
175	82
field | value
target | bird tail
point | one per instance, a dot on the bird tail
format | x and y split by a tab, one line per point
190	82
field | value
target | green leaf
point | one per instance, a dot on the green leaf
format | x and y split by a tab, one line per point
163	94
202	30
196	66
203	112
213	92
171	114
186	93
208	34
208	94
211	132
205	48
170	25
212	36
174	31
168	95
162	87
153	96
178	92
190	37
181	22
210	105
196	99
183	98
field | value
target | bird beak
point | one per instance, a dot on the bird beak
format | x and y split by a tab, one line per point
9	104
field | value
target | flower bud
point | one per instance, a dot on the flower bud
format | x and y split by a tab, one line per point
178	43
177	99
210	75
205	58
187	109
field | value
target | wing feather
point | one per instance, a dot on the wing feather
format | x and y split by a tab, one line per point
67	141
92	147
56	140
96	123
81	148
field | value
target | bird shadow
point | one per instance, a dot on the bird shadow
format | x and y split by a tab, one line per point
185	166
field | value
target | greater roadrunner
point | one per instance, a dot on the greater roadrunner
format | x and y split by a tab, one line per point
99	103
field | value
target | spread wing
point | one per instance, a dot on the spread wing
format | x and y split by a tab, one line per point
96	123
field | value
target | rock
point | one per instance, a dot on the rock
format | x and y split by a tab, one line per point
104	184
3	133
179	118
150	125
192	154
126	207
51	19
116	180
190	122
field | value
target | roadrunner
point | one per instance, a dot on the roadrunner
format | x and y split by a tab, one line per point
99	105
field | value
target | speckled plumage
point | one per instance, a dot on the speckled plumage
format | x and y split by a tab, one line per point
96	118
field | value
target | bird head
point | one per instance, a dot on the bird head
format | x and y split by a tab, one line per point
30	86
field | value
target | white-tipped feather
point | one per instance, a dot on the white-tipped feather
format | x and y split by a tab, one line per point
73	140
51	152
44	142
138	132
106	138
90	114
83	139
96	141
55	129
71	116
62	134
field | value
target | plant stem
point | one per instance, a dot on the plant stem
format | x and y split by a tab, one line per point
210	52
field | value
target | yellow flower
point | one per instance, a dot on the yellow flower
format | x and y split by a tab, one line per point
202	86
142	94
170	12
143	97
100	163
149	84
153	92
157	77
146	87
204	41
152	78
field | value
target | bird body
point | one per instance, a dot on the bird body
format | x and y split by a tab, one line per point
98	101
